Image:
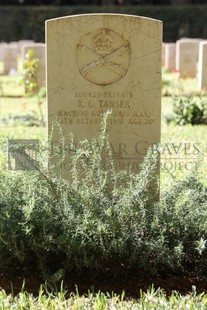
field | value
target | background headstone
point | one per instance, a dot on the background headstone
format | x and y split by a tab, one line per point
187	57
170	55
13	44
23	42
10	58
202	66
102	62
2	47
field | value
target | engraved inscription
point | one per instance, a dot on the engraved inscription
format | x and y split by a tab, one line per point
91	106
103	57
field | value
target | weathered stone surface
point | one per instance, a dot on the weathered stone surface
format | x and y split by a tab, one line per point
102	62
163	53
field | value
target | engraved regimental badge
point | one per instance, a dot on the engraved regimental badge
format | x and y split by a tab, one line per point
103	57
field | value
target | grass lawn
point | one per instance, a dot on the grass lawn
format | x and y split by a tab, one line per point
152	299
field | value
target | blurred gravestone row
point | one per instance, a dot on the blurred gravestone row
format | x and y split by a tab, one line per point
13	54
188	58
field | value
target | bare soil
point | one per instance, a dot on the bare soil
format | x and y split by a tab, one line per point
12	283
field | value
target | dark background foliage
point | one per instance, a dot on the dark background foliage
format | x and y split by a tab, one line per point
27	22
100	2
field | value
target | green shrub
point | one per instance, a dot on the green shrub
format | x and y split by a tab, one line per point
180	225
189	110
94	221
29	79
101	221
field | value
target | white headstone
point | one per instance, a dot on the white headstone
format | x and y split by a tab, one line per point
170	55
21	43
2	48
10	58
101	62
187	57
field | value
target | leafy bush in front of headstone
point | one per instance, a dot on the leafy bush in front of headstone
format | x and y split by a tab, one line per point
189	110
101	220
179	226
95	221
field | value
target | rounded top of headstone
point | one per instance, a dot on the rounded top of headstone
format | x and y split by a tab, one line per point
104	15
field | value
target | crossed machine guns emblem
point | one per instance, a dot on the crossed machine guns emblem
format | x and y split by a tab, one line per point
104	60
103	57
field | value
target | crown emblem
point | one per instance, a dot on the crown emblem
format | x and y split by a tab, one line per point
103	42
